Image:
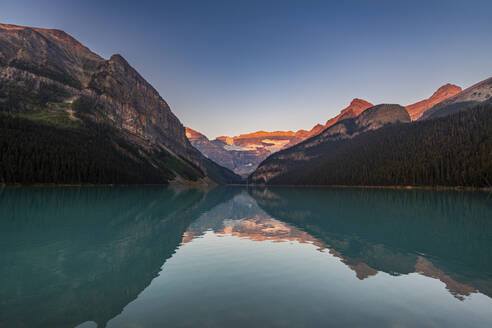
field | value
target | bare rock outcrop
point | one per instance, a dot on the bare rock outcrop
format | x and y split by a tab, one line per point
446	91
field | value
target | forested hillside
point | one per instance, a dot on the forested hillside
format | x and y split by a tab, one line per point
454	150
34	151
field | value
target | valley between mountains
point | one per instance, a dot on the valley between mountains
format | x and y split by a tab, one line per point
69	116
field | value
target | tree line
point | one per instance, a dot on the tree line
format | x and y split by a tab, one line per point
455	150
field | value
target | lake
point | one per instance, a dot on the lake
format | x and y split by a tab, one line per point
238	257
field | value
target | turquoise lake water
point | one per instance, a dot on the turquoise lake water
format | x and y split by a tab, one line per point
237	257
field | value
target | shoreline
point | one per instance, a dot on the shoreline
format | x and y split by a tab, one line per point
173	185
436	188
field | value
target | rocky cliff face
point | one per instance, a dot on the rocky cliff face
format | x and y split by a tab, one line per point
33	59
311	149
241	161
49	53
193	135
474	95
446	91
135	106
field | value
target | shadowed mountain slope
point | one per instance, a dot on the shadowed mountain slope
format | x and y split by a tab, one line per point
474	95
48	77
308	152
455	150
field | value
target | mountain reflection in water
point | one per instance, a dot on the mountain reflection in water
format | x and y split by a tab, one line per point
70	255
364	254
146	256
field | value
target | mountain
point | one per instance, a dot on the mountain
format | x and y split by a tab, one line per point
454	150
242	154
356	107
214	150
446	91
303	155
476	94
193	135
76	99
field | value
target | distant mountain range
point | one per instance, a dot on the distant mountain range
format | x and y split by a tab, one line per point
476	94
90	120
242	154
455	151
450	144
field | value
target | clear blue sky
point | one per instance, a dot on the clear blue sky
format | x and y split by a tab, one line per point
229	67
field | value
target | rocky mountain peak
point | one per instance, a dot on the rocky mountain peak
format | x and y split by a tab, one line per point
444	92
317	129
476	94
356	107
61	37
193	135
49	53
117	58
381	115
358	102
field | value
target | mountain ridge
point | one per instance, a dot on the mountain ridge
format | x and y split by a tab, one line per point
444	92
249	142
244	152
449	151
44	72
478	93
297	156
